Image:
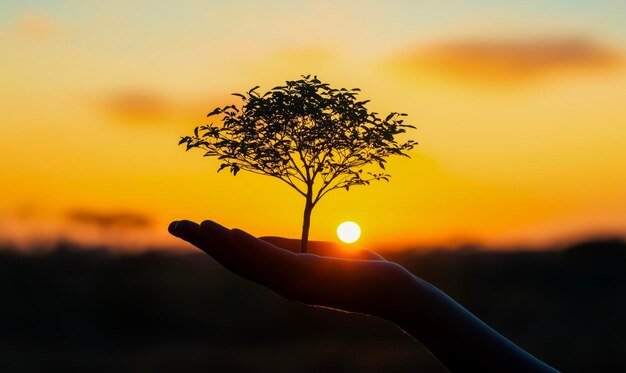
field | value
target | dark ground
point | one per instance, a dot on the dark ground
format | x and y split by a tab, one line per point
79	310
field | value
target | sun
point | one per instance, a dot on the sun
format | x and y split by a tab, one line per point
348	231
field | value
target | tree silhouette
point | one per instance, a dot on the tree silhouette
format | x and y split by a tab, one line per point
312	137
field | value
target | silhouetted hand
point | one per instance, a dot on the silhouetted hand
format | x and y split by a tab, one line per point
328	276
362	281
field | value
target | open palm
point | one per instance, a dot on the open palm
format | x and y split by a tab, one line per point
328	276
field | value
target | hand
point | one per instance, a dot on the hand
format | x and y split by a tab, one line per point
328	276
362	281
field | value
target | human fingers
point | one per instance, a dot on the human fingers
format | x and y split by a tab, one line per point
241	253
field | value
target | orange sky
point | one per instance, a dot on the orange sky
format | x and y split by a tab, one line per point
520	114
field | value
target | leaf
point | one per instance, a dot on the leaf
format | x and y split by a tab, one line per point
215	111
182	140
239	95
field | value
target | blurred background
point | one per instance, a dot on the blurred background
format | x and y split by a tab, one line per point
514	201
78	309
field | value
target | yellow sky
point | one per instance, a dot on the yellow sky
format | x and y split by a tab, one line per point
521	117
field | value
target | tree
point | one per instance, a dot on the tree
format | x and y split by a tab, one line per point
310	136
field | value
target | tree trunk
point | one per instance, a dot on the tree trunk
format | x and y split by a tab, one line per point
306	223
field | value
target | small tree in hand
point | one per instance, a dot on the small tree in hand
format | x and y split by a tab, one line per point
313	137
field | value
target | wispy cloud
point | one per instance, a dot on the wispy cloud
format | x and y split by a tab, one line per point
146	107
137	105
107	220
35	25
510	60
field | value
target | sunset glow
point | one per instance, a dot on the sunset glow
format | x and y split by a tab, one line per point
519	108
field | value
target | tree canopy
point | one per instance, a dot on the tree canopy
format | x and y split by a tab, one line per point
304	133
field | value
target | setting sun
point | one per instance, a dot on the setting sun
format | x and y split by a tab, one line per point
348	232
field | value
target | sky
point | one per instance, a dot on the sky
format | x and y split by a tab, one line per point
519	108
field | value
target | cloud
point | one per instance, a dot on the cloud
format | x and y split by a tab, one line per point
35	25
137	105
108	220
510	60
141	106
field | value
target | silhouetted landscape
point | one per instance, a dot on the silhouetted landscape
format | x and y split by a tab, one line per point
76	308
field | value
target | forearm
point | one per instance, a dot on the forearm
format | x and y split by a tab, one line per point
456	337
